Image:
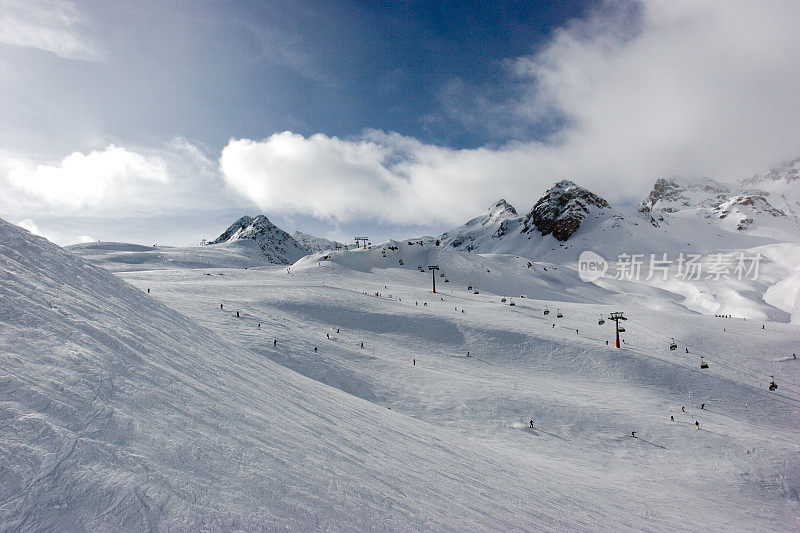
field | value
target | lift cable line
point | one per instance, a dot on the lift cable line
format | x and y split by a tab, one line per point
732	365
754	372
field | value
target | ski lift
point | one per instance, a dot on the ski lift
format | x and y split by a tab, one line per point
476	292
559	315
601	321
546	312
469	288
673	346
772	385
703	364
502	300
621	329
512	303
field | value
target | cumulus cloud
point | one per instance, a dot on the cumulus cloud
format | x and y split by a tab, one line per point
87	179
50	25
643	90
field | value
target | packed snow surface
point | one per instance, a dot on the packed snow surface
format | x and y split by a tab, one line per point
340	393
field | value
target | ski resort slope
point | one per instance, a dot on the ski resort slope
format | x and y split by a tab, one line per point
739	472
119	413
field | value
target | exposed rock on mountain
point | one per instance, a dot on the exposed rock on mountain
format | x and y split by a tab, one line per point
561	210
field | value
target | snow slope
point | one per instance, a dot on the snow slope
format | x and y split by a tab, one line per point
738	472
127	410
119	413
125	257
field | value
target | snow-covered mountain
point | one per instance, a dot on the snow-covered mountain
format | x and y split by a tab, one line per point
763	204
562	212
500	220
568	218
315	244
276	245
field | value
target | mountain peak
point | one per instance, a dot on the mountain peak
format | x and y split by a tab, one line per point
502	206
786	173
562	209
276	245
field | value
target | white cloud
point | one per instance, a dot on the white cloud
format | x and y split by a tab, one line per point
646	90
691	88
87	179
49	25
85	239
322	176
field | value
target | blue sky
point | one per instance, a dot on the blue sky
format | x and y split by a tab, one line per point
158	121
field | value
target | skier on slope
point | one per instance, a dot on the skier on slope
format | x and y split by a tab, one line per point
696	423
275	342
633	434
531	424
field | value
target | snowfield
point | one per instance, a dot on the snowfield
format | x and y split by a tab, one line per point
134	401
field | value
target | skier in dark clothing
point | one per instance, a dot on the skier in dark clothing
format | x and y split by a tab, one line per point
237	314
337	330
633	434
683	409
696	423
220	306
362	344
702	406
315	349
148	290
327	335
531	424
672	418
275	342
